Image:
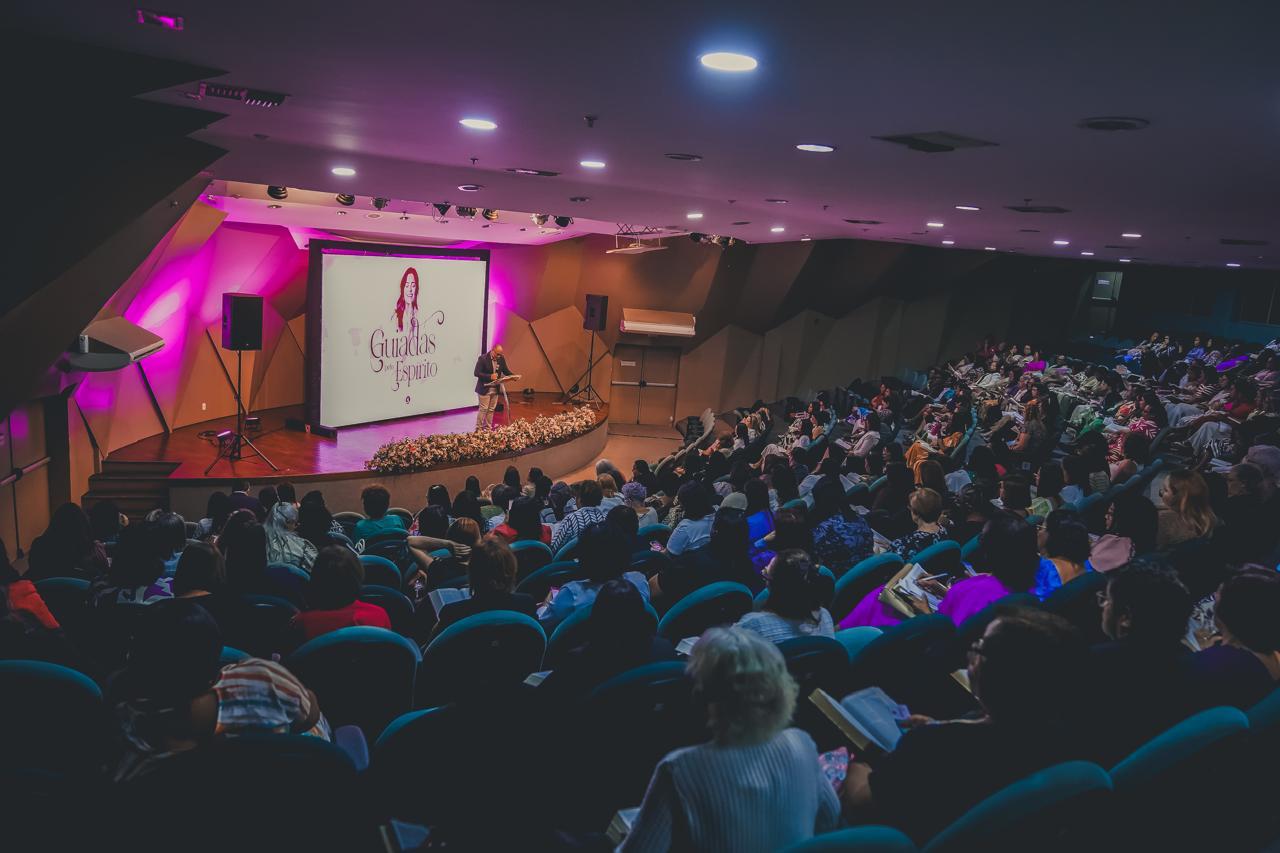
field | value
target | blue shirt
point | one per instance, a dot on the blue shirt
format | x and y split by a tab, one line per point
578	594
690	534
840	543
1048	579
367	528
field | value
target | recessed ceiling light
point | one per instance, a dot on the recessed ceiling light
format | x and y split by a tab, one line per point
1087	254
967	207
694	215
726	61
741	222
274	206
805	238
343	171
816	147
988	248
776	200
373	215
470	188
1130	236
342	213
478	123
591	164
1124	260
933	225
1233	264
778	229
404	217
1062	242
948	242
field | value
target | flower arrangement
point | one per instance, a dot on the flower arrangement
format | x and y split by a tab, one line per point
430	451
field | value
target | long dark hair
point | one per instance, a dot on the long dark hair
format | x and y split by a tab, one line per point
466	505
400	303
525	518
793	586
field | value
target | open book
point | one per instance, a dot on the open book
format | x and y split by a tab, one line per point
868	718
685	647
501	379
904	594
446	595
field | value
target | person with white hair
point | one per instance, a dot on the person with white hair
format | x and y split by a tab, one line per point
284	545
757	785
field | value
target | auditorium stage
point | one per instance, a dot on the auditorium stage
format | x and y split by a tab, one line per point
175	462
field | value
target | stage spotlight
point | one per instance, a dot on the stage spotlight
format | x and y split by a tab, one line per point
379	203
224	436
540	219
564	221
724	242
465	212
278	193
442	207
345	199
490	214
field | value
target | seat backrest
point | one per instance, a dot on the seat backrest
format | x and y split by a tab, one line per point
1031	813
815	662
540	582
654	533
65	598
405	515
380	571
720	603
1077	602
572	632
287	581
794	503
941	556
567	550
530	556
1172	754
398	606
55	718
968	549
861	578
907	659
860	839
494	648
258	625
363	676
972	628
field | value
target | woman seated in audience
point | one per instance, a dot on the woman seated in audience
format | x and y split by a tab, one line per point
926	513
890	511
1185	512
794	606
216	510
317	525
727	557
1031	438
333	597
1075	476
1006	562
757	786
1064	542
491	577
173	696
864	442
694	530
1249	520
841	539
284	545
1242	666
438	495
1025	672
495	512
376	500
610	496
621	634
201	579
244	545
968	514
1130	531
983	471
460	538
105	520
136	575
1015	495
602	556
1049	482
1138	676
524	523
1218	422
634	495
1134	453
66	548
782	484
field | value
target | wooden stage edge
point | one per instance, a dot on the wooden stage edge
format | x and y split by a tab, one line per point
177	460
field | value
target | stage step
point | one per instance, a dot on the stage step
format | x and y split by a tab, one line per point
114	468
135	487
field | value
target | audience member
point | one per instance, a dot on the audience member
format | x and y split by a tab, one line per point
841	539
1064	542
376	500
284	545
524	523
694	530
926	511
1006	562
1130	530
1185	512
587	513
794	606
491	577
602	557
333	597
66	548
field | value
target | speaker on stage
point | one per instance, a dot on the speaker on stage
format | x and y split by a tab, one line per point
596	313
241	321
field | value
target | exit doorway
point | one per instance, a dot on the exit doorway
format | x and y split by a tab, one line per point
643	389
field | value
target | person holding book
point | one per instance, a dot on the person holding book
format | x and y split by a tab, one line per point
926	513
602	555
1025	673
757	786
1007	562
491	577
794	606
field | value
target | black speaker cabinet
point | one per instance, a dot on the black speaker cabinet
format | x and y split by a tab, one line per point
241	321
596	313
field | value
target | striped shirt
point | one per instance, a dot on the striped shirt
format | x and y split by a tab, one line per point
262	696
736	798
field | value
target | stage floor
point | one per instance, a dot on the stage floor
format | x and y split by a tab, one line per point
301	455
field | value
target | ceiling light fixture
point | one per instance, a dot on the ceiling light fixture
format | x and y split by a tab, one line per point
274	206
805	238
342	213
345	199
727	61
967	207
988	248
1062	242
684	158
694	215
1131	236
478	124
815	147
933	225
470	188
278	193
948	242
442	208
1087	254
404	216
591	164
563	221
379	203
490	214
539	219
777	201
343	171
1232	264
1124	260
465	212
741	222
778	229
